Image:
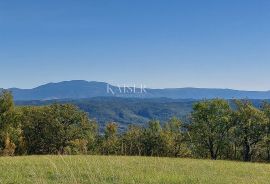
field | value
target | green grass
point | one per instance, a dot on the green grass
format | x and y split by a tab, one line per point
117	169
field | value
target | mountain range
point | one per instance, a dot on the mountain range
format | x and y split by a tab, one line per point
78	89
106	103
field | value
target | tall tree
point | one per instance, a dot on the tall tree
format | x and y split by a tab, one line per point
174	139
210	126
152	139
266	139
110	144
8	123
250	124
132	139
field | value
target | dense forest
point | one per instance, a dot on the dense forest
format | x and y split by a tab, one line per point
217	129
124	111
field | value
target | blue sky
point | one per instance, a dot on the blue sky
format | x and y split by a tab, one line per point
160	43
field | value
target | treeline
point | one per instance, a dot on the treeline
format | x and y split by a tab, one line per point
217	130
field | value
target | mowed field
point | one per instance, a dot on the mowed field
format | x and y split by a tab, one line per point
120	169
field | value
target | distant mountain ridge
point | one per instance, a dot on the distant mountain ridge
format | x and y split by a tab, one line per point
78	89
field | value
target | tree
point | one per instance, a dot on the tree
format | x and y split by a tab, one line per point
266	138
152	139
8	124
210	126
6	110
132	139
250	124
55	129
174	139
110	143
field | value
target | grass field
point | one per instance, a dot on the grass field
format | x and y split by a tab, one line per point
112	169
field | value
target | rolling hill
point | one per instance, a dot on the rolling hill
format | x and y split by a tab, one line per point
78	89
127	107
127	111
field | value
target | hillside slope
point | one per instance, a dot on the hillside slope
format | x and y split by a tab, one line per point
126	111
78	89
122	170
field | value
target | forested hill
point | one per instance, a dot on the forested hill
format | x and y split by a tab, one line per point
83	89
126	111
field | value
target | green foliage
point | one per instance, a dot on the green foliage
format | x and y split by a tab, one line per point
9	129
210	127
49	129
217	129
110	143
175	139
266	139
250	126
126	111
132	140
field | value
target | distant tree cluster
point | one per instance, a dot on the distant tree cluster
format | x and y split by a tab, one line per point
217	130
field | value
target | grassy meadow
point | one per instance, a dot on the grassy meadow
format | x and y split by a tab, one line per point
120	169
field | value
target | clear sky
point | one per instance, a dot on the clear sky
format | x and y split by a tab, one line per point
160	43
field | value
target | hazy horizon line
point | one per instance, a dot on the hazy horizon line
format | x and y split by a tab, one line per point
121	85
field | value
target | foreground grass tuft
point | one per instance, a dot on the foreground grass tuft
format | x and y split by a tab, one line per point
118	169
